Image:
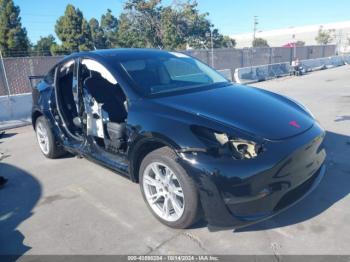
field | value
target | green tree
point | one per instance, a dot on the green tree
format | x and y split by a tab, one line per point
190	27
147	23
143	23
228	42
109	26
13	37
74	31
173	28
97	34
44	45
86	43
260	42
300	43
324	37
221	41
129	35
145	16
58	50
197	26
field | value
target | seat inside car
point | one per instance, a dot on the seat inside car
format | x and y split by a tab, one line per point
147	74
111	96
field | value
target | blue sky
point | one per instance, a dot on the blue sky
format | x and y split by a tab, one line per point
230	16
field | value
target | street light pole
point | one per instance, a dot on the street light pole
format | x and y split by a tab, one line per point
210	34
294	47
255	27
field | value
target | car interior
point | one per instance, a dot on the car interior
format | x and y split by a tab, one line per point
66	98
157	76
96	106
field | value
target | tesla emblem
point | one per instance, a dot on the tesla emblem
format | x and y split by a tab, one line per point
294	123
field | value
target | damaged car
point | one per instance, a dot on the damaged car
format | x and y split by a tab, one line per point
197	144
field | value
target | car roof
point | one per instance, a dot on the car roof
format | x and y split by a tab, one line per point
123	53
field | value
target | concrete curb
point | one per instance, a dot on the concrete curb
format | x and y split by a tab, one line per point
247	75
14	124
15	109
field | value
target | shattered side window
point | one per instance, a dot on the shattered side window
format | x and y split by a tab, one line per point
92	65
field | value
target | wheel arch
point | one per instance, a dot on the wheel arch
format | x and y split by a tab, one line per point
143	147
35	115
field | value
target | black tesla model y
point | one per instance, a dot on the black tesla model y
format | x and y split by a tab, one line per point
197	144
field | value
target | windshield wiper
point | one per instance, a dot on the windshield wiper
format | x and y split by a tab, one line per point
189	87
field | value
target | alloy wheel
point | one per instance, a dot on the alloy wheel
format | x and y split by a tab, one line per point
43	138
163	191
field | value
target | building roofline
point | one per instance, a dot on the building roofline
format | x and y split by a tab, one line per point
296	30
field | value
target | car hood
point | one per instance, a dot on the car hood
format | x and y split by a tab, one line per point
255	111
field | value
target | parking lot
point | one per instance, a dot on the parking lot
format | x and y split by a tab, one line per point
73	206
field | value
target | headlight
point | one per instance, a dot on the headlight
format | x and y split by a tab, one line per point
241	149
246	149
219	143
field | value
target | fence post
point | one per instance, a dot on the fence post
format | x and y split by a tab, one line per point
208	58
323	51
9	102
5	75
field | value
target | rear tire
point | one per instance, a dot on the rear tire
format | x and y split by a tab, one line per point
168	190
47	141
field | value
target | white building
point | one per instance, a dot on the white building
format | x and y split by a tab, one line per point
307	34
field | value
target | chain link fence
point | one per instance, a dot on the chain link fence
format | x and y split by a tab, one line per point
14	72
237	58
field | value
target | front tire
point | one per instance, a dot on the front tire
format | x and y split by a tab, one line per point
168	190
46	140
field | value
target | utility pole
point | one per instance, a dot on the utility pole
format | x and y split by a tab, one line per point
255	27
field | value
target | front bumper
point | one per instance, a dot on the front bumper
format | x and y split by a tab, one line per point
237	193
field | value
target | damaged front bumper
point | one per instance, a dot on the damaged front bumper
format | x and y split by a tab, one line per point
237	193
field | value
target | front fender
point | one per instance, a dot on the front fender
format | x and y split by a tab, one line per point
140	144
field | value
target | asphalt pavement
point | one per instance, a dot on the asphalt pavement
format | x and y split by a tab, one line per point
73	206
